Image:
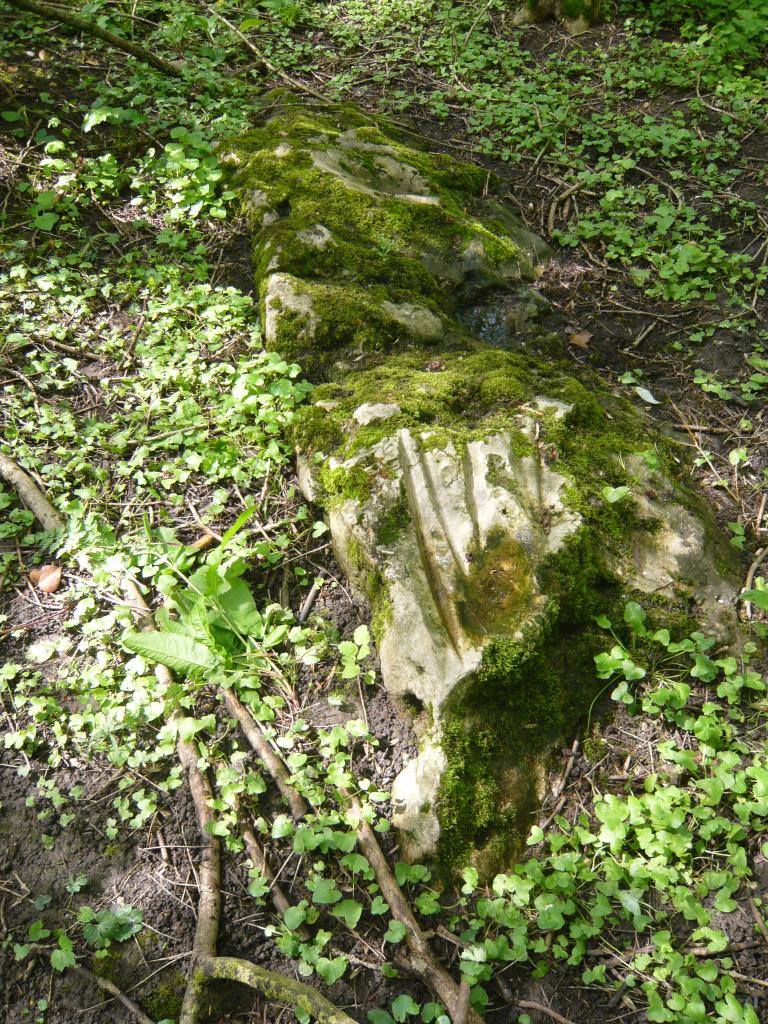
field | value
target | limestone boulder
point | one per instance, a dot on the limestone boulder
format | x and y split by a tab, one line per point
364	242
487	504
475	514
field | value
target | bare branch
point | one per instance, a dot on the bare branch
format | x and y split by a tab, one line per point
44	10
30	494
274	986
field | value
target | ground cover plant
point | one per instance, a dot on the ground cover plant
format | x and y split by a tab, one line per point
187	743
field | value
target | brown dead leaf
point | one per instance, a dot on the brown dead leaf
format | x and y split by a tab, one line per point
48	578
580	339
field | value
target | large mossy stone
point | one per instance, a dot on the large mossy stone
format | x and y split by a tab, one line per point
363	242
467	486
467	499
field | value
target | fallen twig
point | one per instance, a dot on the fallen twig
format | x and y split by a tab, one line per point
169	67
559	199
558	793
528	1004
760	556
309	601
758	919
292	82
260	744
114	991
30	494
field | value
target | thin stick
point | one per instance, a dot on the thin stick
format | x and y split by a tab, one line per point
72	350
114	991
528	1004
272	762
758	917
758	561
169	67
309	601
261	58
760	513
30	494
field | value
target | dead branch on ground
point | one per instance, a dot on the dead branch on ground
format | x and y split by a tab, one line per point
48	11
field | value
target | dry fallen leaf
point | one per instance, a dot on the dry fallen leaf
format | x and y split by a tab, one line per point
580	339
48	579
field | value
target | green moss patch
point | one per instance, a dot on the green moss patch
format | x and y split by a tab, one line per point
342	204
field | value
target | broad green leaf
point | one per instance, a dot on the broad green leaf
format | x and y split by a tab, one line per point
324	891
236	610
380	1017
403	1007
634	616
380	906
331	970
614	494
45	222
294	917
759	598
61	959
395	933
348	911
179	653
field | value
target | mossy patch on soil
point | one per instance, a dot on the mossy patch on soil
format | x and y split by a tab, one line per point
163	1001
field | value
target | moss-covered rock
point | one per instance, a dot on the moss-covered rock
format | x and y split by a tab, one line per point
468	497
364	242
577	16
487	503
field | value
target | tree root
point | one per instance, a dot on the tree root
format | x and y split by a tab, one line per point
274	986
422	962
48	11
260	861
260	744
